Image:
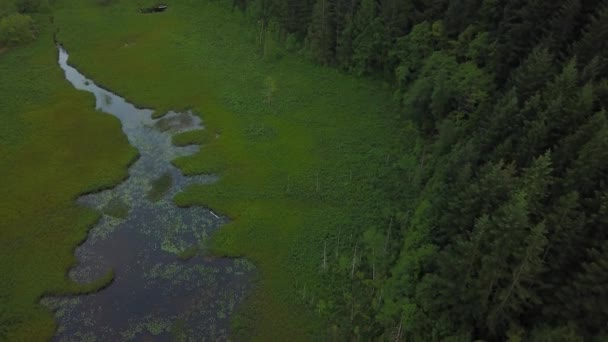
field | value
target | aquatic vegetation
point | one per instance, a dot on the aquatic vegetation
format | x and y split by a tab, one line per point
174	121
154	326
141	243
195	137
189	253
160	186
116	208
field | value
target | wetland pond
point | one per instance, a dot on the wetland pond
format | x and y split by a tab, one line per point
164	287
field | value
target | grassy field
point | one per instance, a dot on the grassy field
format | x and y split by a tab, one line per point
300	150
53	147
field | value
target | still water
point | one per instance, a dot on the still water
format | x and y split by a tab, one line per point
155	295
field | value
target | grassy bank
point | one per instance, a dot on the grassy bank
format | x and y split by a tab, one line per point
300	148
53	147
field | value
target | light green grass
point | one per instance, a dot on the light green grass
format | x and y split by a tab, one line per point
294	174
53	147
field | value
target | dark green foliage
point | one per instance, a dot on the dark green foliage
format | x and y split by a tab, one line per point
16	24
322	33
585	296
16	29
503	216
30	6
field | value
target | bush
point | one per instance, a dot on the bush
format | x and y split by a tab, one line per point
16	29
30	6
291	43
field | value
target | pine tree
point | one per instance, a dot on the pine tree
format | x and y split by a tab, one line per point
369	39
519	32
591	166
567	150
594	41
562	28
534	73
396	16
344	43
321	33
297	16
535	181
586	298
513	299
460	14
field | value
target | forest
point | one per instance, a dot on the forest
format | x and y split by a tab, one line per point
497	229
489	220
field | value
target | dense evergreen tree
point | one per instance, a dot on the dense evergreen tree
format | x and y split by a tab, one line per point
322	33
498	227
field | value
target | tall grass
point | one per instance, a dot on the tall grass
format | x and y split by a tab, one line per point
53	147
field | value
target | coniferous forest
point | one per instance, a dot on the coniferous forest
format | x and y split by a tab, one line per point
498	228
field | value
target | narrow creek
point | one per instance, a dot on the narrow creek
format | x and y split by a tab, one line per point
158	292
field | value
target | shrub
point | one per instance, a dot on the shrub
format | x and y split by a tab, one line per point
29	6
16	29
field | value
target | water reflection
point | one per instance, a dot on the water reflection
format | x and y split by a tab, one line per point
144	238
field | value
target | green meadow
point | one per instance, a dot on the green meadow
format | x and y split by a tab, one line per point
54	146
299	149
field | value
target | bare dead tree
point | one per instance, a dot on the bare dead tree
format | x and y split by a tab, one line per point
388	235
352	270
325	256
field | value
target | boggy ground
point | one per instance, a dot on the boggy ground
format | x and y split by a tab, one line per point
298	166
145	240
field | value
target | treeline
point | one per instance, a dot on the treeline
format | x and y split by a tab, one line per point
498	229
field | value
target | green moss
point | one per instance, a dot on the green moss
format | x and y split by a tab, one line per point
160	186
157	327
117	208
178	333
188	253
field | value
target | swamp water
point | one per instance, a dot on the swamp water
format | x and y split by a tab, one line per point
155	295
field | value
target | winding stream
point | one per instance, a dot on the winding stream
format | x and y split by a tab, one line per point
157	292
